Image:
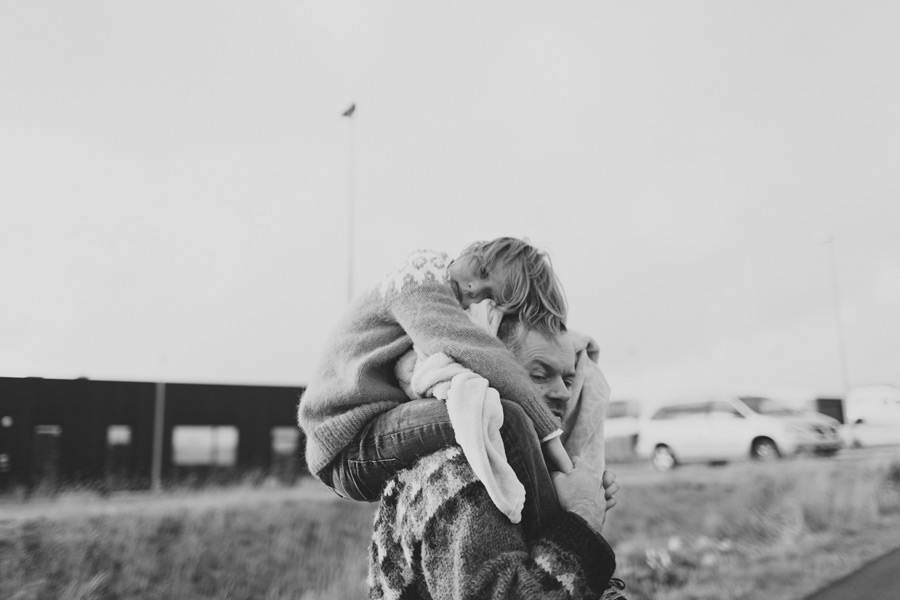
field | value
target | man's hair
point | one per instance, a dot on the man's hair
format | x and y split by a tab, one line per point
529	286
512	332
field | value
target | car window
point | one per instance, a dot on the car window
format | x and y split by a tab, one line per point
621	408
681	411
768	406
723	409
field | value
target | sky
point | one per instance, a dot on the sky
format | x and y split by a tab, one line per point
176	180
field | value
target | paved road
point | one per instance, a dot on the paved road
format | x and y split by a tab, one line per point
878	580
639	472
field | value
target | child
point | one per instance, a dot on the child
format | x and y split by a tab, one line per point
360	426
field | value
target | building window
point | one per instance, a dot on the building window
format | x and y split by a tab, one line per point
118	450
204	445
118	435
285	441
45	454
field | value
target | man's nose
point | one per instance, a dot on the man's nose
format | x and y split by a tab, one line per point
559	392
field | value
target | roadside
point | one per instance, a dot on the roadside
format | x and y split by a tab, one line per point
878	580
67	505
641	472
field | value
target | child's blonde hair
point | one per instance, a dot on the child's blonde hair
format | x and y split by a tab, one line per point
530	287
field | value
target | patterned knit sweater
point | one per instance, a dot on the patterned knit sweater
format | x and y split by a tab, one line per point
355	381
438	537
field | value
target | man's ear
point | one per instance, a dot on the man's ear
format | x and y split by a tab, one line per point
512	333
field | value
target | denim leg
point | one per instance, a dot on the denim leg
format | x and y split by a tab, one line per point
389	443
397	438
524	454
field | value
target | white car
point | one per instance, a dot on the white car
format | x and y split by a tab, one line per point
873	416
733	428
621	430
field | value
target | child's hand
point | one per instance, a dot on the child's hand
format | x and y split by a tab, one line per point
556	456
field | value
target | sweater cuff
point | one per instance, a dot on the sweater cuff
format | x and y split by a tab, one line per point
555	434
573	534
545	424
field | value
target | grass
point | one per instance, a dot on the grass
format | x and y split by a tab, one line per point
302	546
751	531
744	531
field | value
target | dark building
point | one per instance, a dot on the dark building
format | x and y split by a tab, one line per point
71	432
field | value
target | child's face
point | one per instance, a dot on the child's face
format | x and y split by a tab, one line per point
470	284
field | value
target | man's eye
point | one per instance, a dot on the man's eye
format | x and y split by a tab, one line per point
538	377
568	383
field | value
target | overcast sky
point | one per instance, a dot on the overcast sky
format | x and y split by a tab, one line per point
175	176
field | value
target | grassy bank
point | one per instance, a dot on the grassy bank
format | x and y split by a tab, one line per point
213	545
742	531
754	531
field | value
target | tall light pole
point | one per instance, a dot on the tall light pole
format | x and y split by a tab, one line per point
838	320
350	200
159	427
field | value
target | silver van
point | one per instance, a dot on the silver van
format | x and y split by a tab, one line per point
720	429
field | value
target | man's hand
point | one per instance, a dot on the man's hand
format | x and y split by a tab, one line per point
582	492
610	488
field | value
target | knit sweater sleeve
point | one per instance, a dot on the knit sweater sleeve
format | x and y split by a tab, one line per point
431	315
438	530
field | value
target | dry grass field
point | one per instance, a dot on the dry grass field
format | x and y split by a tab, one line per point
742	531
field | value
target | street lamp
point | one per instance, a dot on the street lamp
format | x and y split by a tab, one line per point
350	185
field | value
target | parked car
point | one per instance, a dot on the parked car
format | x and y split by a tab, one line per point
873	416
733	428
621	430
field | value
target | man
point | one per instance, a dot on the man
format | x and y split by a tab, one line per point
438	534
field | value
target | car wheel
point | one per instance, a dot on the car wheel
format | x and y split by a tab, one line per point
663	459
764	450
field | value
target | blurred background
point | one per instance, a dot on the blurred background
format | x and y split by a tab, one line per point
176	180
191	191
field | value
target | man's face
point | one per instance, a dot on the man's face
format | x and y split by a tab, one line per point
551	365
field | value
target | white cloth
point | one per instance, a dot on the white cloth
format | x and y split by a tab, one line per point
475	413
583	426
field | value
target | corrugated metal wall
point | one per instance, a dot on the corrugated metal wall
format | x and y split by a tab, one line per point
56	432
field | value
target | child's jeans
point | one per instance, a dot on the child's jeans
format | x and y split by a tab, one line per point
396	439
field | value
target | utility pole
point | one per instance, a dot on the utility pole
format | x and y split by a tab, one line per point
159	416
838	319
159	429
350	200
